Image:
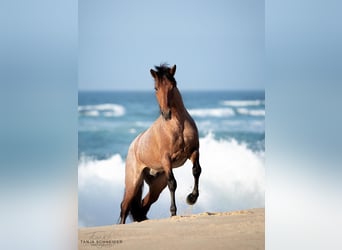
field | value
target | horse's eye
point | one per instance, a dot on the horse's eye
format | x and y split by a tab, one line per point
155	88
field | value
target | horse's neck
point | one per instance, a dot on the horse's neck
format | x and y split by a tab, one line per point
178	108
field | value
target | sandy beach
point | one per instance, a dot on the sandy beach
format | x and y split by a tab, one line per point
243	229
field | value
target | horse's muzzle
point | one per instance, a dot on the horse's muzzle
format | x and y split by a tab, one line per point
166	114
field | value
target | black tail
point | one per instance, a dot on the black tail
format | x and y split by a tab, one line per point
137	211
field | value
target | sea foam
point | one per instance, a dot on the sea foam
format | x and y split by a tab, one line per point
242	103
108	109
251	112
213	112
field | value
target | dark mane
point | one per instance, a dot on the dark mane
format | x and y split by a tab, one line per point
164	70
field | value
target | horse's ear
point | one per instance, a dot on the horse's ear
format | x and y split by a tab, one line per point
173	70
153	73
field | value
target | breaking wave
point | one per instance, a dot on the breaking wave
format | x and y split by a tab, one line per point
243	103
108	110
214	112
251	112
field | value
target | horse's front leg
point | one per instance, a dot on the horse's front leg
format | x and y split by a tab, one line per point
171	183
196	171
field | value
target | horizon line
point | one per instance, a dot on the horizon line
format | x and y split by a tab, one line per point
147	90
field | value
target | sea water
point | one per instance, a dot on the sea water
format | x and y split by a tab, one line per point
231	126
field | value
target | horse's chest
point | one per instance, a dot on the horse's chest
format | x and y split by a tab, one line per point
181	146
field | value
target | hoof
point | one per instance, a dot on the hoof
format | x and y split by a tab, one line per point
142	218
191	199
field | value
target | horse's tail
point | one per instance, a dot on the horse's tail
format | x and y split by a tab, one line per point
137	211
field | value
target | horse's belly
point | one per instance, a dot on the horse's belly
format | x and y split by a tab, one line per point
178	163
179	158
183	151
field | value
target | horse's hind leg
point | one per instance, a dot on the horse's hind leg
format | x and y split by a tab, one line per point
133	185
157	185
132	201
196	171
125	204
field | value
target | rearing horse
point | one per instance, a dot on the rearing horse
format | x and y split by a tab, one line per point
167	144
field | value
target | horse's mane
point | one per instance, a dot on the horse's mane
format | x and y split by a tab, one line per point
164	70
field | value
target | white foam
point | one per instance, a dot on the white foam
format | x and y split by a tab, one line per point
100	190
107	170
252	112
132	130
242	103
214	112
233	177
108	110
91	113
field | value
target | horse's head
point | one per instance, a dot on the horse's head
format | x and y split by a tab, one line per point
164	84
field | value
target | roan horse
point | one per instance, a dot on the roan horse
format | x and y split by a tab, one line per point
167	144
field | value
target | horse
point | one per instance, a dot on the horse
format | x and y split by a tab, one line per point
168	143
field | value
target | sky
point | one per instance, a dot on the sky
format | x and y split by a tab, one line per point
216	45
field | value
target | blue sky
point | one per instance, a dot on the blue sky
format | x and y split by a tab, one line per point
215	44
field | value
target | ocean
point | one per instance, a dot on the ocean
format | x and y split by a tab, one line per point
231	125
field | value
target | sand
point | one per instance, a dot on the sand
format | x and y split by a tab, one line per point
243	229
